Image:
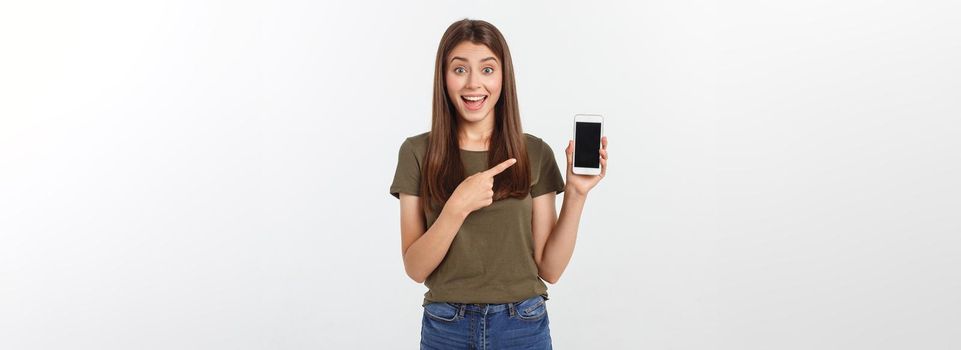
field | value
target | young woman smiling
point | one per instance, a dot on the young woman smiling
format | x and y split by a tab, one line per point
477	200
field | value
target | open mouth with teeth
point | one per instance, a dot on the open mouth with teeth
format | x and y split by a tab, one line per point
474	102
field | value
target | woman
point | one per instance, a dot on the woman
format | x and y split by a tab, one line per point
483	243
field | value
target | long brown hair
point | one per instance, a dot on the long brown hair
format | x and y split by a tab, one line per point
443	171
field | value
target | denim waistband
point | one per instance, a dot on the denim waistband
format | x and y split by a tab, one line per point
489	308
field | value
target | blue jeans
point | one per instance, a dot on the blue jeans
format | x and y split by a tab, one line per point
518	325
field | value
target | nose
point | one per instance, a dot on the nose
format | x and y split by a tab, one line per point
473	81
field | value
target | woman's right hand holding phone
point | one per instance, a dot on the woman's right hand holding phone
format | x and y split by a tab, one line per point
477	191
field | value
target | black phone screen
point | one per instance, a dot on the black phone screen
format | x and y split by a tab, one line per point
587	146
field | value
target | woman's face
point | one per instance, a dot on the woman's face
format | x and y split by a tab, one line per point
473	78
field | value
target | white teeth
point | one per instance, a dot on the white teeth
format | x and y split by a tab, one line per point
474	98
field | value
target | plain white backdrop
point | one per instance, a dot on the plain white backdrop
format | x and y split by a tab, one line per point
214	174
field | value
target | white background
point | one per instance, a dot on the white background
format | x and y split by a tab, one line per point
214	175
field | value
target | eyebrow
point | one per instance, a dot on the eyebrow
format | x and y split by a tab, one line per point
465	60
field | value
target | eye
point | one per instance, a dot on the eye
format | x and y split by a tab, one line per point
488	70
460	70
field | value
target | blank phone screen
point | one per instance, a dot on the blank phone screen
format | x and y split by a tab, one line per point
587	145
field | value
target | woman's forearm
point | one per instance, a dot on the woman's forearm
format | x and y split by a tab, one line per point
423	256
560	244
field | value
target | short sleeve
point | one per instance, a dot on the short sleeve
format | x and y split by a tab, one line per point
548	174
407	175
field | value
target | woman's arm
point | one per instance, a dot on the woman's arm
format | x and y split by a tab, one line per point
423	251
554	244
554	237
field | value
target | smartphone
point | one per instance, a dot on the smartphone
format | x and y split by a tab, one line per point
588	129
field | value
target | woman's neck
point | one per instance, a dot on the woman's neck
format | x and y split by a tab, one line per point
475	136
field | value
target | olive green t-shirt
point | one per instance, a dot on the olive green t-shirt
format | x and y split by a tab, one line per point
491	259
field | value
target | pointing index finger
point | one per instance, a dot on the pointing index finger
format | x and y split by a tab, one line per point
499	168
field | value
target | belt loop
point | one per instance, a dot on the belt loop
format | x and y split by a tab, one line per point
511	309
462	308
